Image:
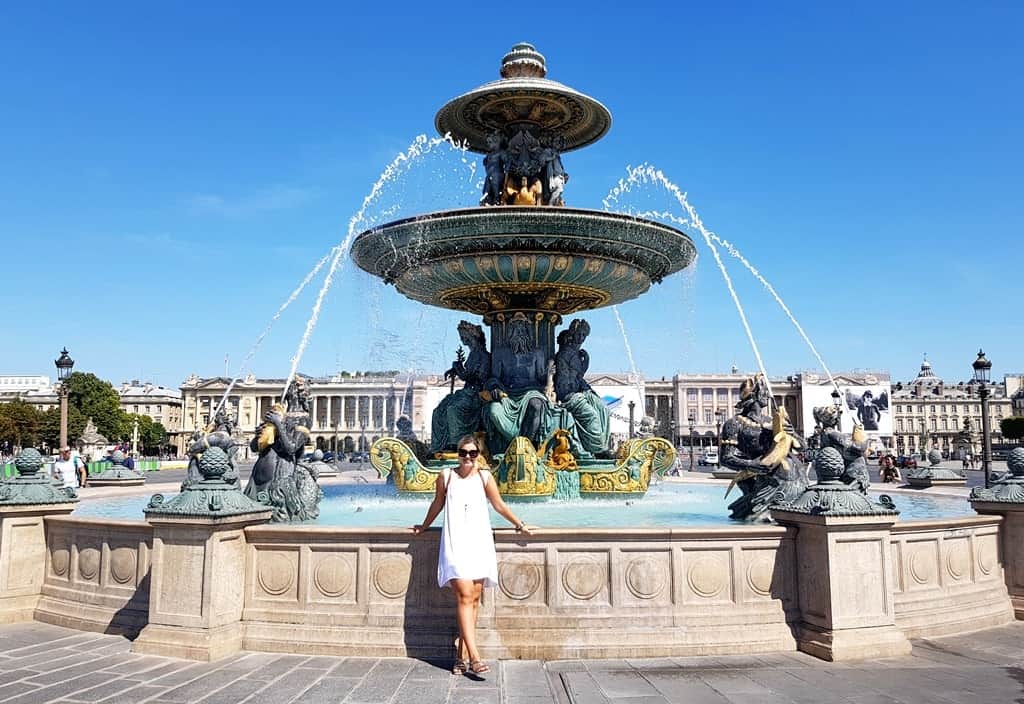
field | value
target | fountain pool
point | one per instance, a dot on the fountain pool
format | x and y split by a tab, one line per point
668	504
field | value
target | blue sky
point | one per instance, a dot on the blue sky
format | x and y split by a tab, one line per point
170	174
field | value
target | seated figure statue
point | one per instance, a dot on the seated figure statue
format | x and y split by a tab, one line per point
519	406
574	393
219	433
458	414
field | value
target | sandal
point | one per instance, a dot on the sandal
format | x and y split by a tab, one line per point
460	667
479	667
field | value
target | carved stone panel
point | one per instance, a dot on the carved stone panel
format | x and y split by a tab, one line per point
957	560
708	576
647	578
277	574
332	576
584	578
521	579
390	573
921	564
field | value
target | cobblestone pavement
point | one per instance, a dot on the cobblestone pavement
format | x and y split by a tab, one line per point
42	663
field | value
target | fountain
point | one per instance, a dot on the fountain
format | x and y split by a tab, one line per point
206	575
523	261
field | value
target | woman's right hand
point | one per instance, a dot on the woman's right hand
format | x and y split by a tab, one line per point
417	529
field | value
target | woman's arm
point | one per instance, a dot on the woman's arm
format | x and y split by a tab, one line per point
435	506
491	489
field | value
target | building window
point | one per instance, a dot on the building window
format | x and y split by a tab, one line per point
691	395
945	424
899	409
899	424
707	416
707	395
943	408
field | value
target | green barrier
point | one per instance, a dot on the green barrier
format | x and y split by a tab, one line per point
9	470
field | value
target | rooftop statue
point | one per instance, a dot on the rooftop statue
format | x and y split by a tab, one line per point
850	447
763	450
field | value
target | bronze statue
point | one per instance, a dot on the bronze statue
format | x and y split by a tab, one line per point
554	176
458	414
495	169
763	450
850	447
278	478
574	393
219	433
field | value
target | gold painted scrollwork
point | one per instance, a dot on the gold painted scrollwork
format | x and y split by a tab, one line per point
521	472
392	456
637	461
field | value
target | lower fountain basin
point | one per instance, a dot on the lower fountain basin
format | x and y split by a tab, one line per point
490	259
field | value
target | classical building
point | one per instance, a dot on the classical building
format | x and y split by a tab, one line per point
15	386
929	413
161	404
347	411
709	400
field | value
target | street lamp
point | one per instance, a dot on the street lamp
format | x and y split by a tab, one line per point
982	368
337	450
693	422
64	365
632	408
362	438
719	419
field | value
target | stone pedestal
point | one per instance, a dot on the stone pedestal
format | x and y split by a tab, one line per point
844	568
23	557
1006	498
844	572
196	586
197	577
117	474
25	501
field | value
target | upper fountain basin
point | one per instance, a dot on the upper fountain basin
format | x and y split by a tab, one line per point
485	260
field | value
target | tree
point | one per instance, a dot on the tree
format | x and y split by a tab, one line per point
1012	427
19	423
152	435
99	400
49	426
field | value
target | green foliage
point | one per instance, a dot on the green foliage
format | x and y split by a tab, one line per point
98	399
49	426
1012	427
152	435
19	423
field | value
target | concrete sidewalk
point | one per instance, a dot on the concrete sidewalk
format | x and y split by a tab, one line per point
42	663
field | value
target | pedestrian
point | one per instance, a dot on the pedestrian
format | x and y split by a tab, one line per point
467	561
66	469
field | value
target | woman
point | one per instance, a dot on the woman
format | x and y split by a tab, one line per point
467	561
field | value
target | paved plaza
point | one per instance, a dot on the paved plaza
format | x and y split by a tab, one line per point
42	663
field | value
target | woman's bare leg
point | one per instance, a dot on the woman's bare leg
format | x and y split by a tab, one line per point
467	597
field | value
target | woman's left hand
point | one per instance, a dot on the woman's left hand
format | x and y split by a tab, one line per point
526	530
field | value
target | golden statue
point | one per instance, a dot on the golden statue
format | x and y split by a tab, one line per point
525	194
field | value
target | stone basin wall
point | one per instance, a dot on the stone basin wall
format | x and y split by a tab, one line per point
562	593
948	576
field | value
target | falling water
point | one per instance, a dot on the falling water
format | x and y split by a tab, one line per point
243	367
420	146
645	173
735	253
629	350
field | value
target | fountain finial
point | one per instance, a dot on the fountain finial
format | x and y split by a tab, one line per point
523	61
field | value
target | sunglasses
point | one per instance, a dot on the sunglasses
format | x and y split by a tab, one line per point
469	453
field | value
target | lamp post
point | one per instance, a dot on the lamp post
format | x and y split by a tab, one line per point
64	365
632	408
982	368
362	438
135	438
693	422
719	420
337	449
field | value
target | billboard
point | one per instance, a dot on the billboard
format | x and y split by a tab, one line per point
867	404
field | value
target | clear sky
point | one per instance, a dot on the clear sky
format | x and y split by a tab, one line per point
169	174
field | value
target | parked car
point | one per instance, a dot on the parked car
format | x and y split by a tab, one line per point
709	457
329	456
359	457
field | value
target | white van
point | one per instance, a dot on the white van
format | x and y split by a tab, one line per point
709	457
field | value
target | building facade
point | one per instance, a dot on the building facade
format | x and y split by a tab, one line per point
348	412
929	413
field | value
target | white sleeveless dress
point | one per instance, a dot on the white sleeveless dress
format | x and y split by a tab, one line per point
467	541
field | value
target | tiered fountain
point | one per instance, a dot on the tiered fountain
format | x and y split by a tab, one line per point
523	261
